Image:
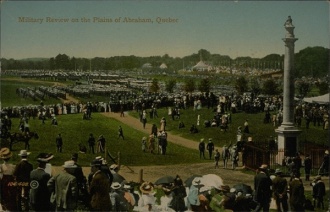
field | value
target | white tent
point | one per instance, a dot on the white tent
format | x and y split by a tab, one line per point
163	66
201	66
324	99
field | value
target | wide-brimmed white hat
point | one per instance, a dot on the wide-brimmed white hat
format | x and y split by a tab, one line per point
69	164
23	153
115	185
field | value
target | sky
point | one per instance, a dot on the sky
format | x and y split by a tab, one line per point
233	28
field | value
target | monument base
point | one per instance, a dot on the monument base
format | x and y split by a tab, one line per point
287	142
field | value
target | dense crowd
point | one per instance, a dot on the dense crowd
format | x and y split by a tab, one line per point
24	188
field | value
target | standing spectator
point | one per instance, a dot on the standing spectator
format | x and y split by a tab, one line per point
7	192
210	147
144	144
101	144
324	169
225	155
201	148
308	166
148	200
117	197
99	188
217	158
163	124
178	193
280	191
262	188
91	143
297	164
318	192
246	127
81	179
297	196
59	143
154	130
234	157
144	119
120	133
22	174
64	189
122	114
39	193
151	146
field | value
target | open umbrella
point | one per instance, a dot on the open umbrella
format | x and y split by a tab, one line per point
165	180
245	189
189	180
211	181
117	178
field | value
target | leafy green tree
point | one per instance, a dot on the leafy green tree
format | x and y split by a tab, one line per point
303	88
241	85
170	85
189	86
154	87
204	85
323	87
270	87
255	87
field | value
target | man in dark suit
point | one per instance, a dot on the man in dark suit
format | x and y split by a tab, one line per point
63	188
22	174
280	185
39	193
99	188
262	187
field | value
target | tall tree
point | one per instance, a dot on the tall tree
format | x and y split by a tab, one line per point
170	85
154	87
189	85
241	85
270	87
204	85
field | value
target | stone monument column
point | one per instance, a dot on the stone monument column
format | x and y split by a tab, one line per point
287	132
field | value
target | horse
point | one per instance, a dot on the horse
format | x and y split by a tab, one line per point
22	137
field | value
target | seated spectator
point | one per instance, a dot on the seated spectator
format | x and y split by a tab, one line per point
207	123
181	125
193	129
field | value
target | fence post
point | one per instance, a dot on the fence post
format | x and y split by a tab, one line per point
140	180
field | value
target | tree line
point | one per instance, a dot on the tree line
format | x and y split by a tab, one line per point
311	61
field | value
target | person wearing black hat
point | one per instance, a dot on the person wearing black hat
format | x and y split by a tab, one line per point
308	166
297	195
39	193
22	174
280	191
91	143
81	179
262	188
59	143
99	188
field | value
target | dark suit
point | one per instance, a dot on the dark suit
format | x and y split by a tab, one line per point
22	173
263	193
297	197
39	193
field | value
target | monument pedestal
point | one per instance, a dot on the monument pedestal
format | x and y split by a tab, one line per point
287	142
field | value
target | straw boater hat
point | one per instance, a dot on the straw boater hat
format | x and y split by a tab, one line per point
250	139
210	139
263	167
24	153
317	178
146	188
326	152
115	185
202	139
69	164
196	181
278	171
5	153
44	157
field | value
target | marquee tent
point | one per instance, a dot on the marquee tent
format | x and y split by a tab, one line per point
323	99
201	66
